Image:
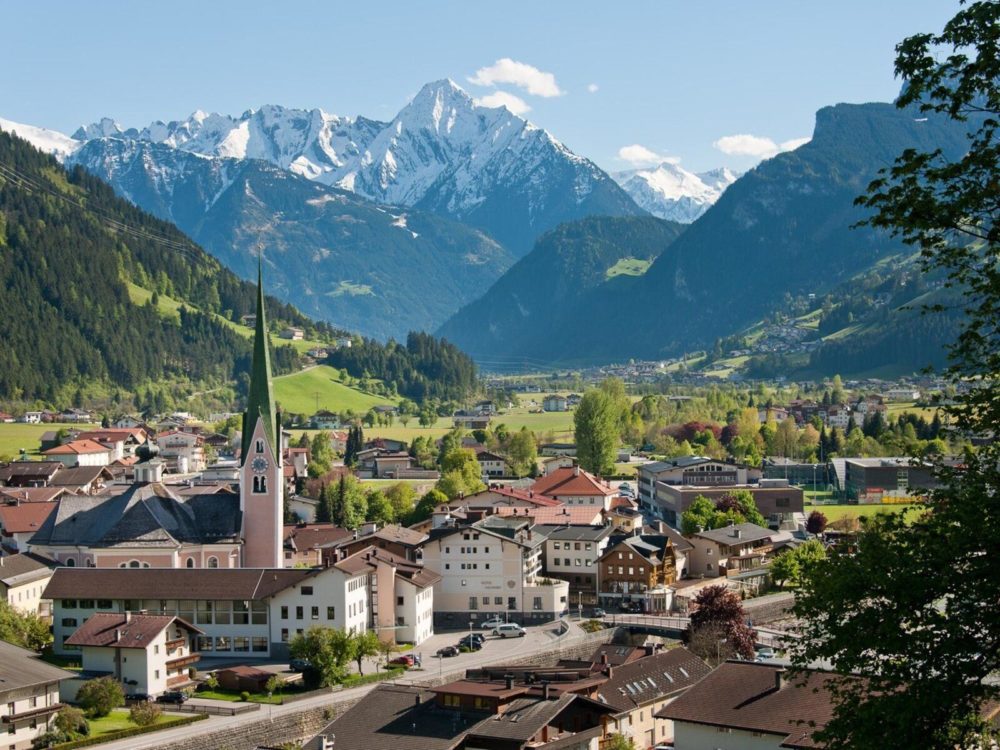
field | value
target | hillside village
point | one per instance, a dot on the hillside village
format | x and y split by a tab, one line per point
228	555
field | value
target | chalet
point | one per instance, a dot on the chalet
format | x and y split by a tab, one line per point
292	334
55	438
391	465
122	442
84	480
574	486
639	569
492	464
549	465
147	654
6	418
471	420
572	554
401	541
485	407
31	417
182	451
304	543
325	420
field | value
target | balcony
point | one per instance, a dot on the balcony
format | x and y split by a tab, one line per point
176	643
183	661
32	713
178	681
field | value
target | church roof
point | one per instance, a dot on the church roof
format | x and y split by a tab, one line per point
144	515
260	400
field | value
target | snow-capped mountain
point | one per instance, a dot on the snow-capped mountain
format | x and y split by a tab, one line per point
52	142
484	166
671	192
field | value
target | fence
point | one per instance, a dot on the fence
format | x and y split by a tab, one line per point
215	709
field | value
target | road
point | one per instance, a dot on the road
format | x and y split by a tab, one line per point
539	639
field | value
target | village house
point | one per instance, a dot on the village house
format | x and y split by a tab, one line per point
29	473
325	420
19	521
468	420
492	465
81	453
574	486
29	695
292	334
123	443
182	451
555	402
571	553
730	550
23	578
491	568
84	480
639	570
305	542
399	540
147	654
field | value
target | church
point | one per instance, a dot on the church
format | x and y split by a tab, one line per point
150	524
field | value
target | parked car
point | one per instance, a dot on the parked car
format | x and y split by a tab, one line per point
172	696
493	622
137	698
765	652
403	660
448	651
299	665
600	613
475	642
510	630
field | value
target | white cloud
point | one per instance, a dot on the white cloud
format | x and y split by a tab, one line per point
522	75
515	104
640	156
744	144
592	88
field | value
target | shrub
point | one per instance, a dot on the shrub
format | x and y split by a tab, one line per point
144	714
211	682
99	696
71	722
244	696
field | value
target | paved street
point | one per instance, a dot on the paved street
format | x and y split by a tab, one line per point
539	639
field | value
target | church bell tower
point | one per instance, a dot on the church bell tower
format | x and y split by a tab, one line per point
261	474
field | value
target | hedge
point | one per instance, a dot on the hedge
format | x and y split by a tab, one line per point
355	680
122	734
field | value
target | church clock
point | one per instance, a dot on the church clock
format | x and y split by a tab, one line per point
259	465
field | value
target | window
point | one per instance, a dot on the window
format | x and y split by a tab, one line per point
314	613
223	611
240	614
452	701
284	635
331	613
88	604
537	605
260	446
204	643
399	601
447	566
481	704
70	563
213	562
156	648
259	485
299	613
307	590
781	502
576	545
259	643
486	601
511	602
473	602
555	545
498	601
241	643
284	613
223	643
156	674
190	562
486	566
104	604
69	622
577	562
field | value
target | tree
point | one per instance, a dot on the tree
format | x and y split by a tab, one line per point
521	452
98	697
321	451
785	567
328	651
401	497
618	742
427	504
365	644
144	714
816	523
720	608
379	509
71	721
23	629
699	516
461	473
348	504
595	425
324	503
742	503
912	605
274	684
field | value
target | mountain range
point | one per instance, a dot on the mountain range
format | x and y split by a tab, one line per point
783	229
669	191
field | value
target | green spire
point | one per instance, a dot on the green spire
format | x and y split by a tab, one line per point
260	402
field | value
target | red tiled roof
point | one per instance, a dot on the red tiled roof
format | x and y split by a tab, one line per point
571	480
124	630
76	447
113	436
21	519
576	515
30	494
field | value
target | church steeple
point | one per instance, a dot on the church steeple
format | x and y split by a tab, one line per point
260	402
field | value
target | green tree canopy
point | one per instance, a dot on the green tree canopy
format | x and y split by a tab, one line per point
596	427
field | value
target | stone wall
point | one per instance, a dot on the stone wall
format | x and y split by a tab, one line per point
769	608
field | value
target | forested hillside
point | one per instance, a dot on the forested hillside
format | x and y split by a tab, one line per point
69	249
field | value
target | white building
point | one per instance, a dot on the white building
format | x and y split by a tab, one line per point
492	569
23	579
148	654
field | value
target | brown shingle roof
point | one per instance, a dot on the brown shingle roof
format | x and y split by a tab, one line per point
251	584
311	536
25	518
746	696
124	630
651	678
30	494
25	567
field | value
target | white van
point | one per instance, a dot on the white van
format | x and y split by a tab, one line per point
510	630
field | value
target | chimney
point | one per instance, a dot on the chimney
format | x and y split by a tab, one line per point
737	533
610	671
118	634
779	679
604	657
416	700
546	693
509	679
576	471
128	616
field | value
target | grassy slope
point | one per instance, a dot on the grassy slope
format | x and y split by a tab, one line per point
297	393
14	437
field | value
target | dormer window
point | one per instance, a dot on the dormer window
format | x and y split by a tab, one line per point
260	446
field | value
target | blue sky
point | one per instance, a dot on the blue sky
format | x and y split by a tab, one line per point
675	78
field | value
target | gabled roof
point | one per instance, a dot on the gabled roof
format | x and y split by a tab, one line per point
21	668
16	570
391	533
740	533
30	494
24	518
571	480
747	696
78	476
652	678
575	515
77	448
114	435
314	535
124	629
30	469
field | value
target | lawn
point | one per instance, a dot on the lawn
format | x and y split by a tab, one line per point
905	407
118	720
14	437
320	387
233	696
628	267
836	512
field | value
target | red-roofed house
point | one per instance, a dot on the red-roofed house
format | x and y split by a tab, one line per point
574	486
81	453
123	442
20	521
